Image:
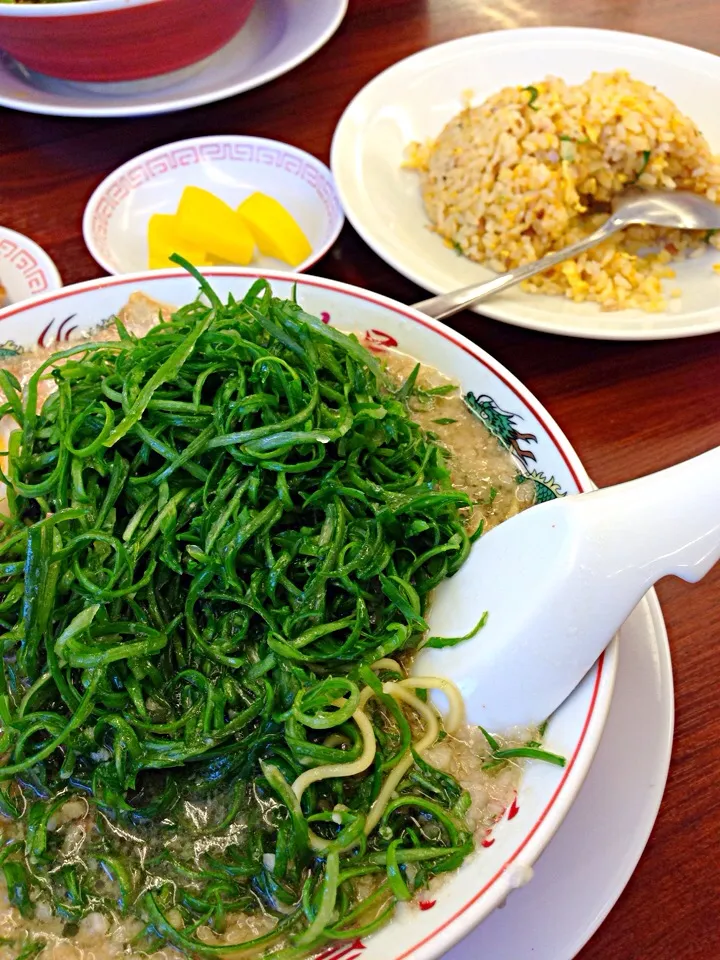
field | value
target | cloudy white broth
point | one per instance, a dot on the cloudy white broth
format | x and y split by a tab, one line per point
221	530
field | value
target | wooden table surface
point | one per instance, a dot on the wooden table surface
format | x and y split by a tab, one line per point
628	408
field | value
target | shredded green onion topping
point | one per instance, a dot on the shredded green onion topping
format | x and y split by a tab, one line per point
212	532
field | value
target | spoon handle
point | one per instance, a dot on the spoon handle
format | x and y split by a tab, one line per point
671	519
448	304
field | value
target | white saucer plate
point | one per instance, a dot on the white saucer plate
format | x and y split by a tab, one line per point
279	35
25	268
587	865
415	98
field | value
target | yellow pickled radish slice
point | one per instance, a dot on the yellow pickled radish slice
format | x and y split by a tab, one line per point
277	233
208	222
164	239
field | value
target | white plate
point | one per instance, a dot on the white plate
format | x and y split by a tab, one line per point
586	867
413	100
25	268
116	216
278	35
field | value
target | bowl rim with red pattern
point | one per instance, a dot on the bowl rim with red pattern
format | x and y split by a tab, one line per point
26	270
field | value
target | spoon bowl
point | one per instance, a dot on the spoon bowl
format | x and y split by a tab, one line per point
581	564
678	209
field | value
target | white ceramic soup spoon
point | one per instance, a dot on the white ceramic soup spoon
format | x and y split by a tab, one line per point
559	580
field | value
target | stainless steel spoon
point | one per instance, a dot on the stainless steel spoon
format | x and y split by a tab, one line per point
657	208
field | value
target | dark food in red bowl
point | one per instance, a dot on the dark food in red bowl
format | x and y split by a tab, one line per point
117	41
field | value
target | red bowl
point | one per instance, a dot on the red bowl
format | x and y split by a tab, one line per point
115	41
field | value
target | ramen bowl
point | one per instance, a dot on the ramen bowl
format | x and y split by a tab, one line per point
117	41
504	860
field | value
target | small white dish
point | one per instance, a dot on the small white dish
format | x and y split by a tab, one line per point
414	99
590	860
278	35
116	216
25	268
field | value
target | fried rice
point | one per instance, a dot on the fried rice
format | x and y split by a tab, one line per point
533	169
